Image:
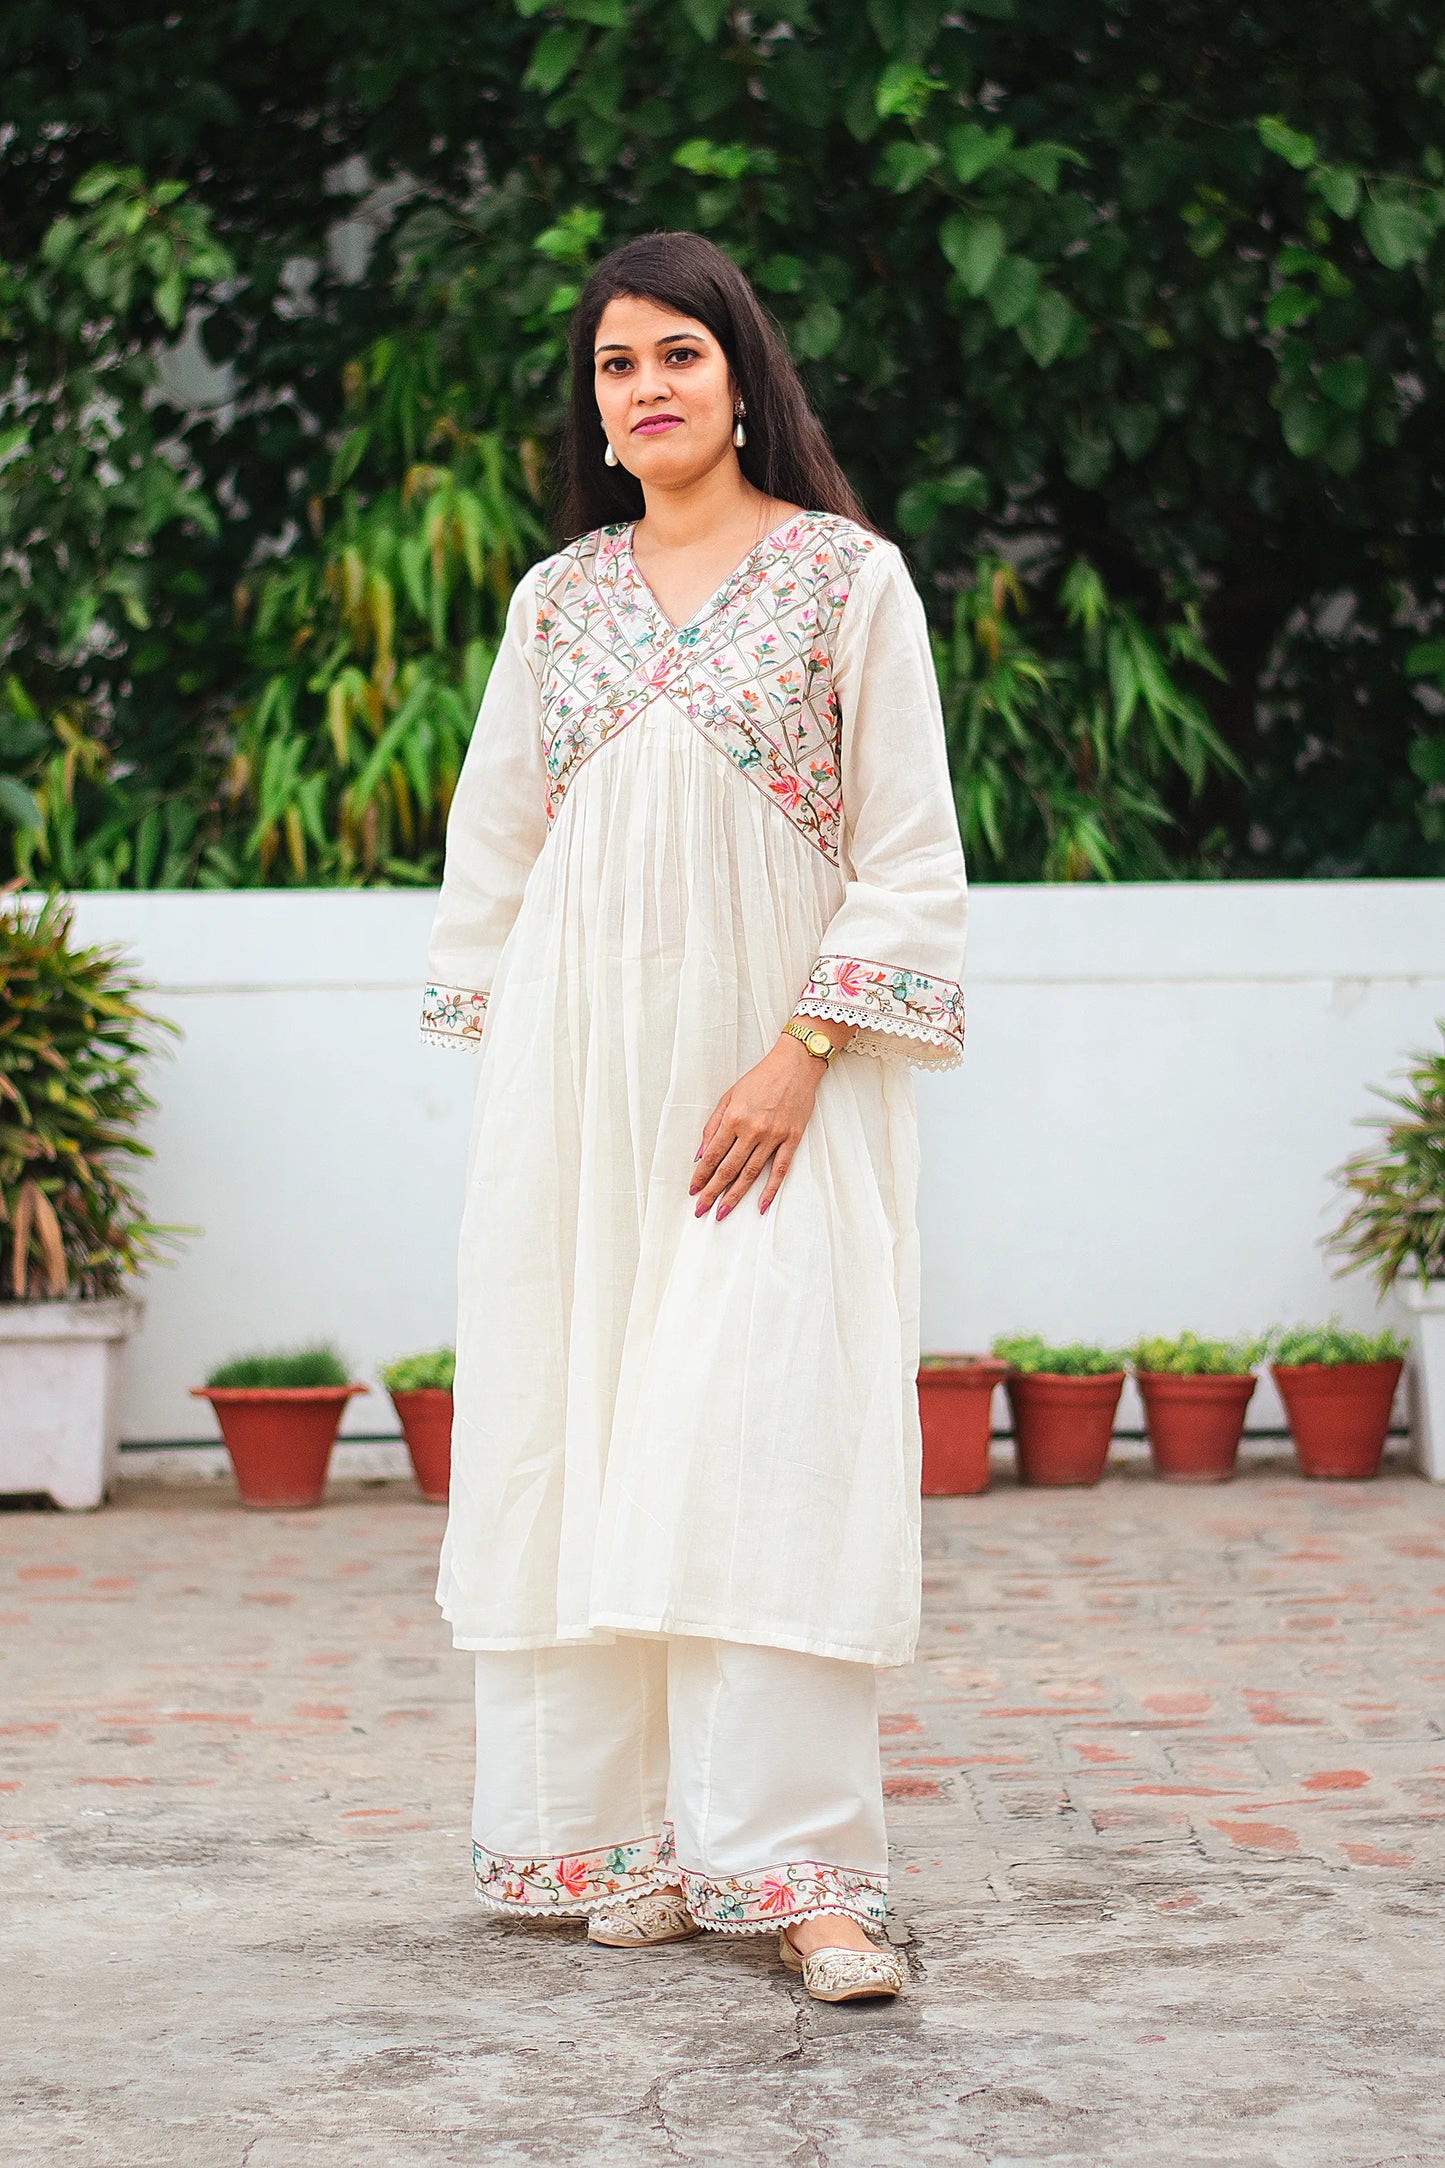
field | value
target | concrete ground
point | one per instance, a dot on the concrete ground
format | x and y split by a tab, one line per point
1168	1795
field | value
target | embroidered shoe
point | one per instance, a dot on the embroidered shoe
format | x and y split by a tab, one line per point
833	1975
638	1922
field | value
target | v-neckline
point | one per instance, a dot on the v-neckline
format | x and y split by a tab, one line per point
717	597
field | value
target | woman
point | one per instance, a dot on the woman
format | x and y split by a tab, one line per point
702	843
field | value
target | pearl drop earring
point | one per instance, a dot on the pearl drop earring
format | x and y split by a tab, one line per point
609	457
740	435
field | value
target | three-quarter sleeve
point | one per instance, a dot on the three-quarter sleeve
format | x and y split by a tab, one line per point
891	957
495	828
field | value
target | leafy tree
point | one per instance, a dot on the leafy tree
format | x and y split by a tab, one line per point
1158	294
92	471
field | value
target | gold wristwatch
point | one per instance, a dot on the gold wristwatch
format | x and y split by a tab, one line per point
817	1042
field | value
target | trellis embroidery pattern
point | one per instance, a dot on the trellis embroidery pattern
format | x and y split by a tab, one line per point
752	669
882	997
452	1016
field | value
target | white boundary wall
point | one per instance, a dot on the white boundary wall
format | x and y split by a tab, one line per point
1158	1081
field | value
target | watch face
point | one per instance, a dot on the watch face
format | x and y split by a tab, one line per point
820	1044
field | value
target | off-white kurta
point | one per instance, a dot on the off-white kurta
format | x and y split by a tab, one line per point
664	843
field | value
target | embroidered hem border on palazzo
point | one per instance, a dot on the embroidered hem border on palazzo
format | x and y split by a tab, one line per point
574	1884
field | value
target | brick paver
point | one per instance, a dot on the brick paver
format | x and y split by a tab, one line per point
1168	1807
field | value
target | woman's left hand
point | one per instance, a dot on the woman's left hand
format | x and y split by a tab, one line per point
760	1119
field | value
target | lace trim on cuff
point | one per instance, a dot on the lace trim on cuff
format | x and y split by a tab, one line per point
452	1016
577	1882
887	1003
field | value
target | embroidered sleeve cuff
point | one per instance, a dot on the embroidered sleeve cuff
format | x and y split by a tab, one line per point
900	1015
452	1016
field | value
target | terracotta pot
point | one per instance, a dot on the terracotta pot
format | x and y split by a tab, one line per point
1194	1423
425	1414
1338	1415
955	1409
1062	1426
279	1438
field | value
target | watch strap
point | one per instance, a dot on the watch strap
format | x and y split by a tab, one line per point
797	1029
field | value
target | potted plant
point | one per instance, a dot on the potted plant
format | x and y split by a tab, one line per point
421	1392
73	1043
1063	1401
955	1412
1395	1226
1195	1393
1337	1388
279	1415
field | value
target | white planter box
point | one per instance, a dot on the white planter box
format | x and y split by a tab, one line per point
60	1396
1427	1384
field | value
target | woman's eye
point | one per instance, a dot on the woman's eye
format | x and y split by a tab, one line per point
682	353
614	366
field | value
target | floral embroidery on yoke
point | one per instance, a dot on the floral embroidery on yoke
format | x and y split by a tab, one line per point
752	669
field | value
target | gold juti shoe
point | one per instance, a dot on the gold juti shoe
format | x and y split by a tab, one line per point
641	1921
835	1975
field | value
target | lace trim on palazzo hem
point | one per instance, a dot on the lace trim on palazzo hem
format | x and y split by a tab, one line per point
575	1884
570	1883
758	1904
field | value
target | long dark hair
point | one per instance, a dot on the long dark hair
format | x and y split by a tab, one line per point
787	454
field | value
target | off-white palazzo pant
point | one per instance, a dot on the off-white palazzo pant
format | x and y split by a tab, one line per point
750	1775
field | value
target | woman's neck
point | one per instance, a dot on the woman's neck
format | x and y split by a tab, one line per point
716	505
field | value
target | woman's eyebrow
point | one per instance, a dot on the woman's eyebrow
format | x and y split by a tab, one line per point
620	346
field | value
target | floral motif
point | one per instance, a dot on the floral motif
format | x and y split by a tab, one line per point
739	1905
886	998
452	1016
752	669
745	1904
574	1883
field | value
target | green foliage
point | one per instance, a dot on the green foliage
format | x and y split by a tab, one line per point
1333	1343
1397	1213
93	471
1191	1357
73	1042
1062	752
1033	1357
283	1369
1152	294
432	1372
375	646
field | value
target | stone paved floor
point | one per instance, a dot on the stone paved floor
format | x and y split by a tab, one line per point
1168	1786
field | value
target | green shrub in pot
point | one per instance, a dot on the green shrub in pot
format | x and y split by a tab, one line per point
1337	1387
1063	1399
421	1392
1195	1393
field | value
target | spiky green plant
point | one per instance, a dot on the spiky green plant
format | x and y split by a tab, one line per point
433	1372
1032	1356
1397	1216
1335	1343
283	1368
1190	1357
73	1042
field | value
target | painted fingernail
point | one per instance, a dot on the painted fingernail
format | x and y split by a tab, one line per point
723	1211
692	1188
699	1212
765	1203
697	1155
